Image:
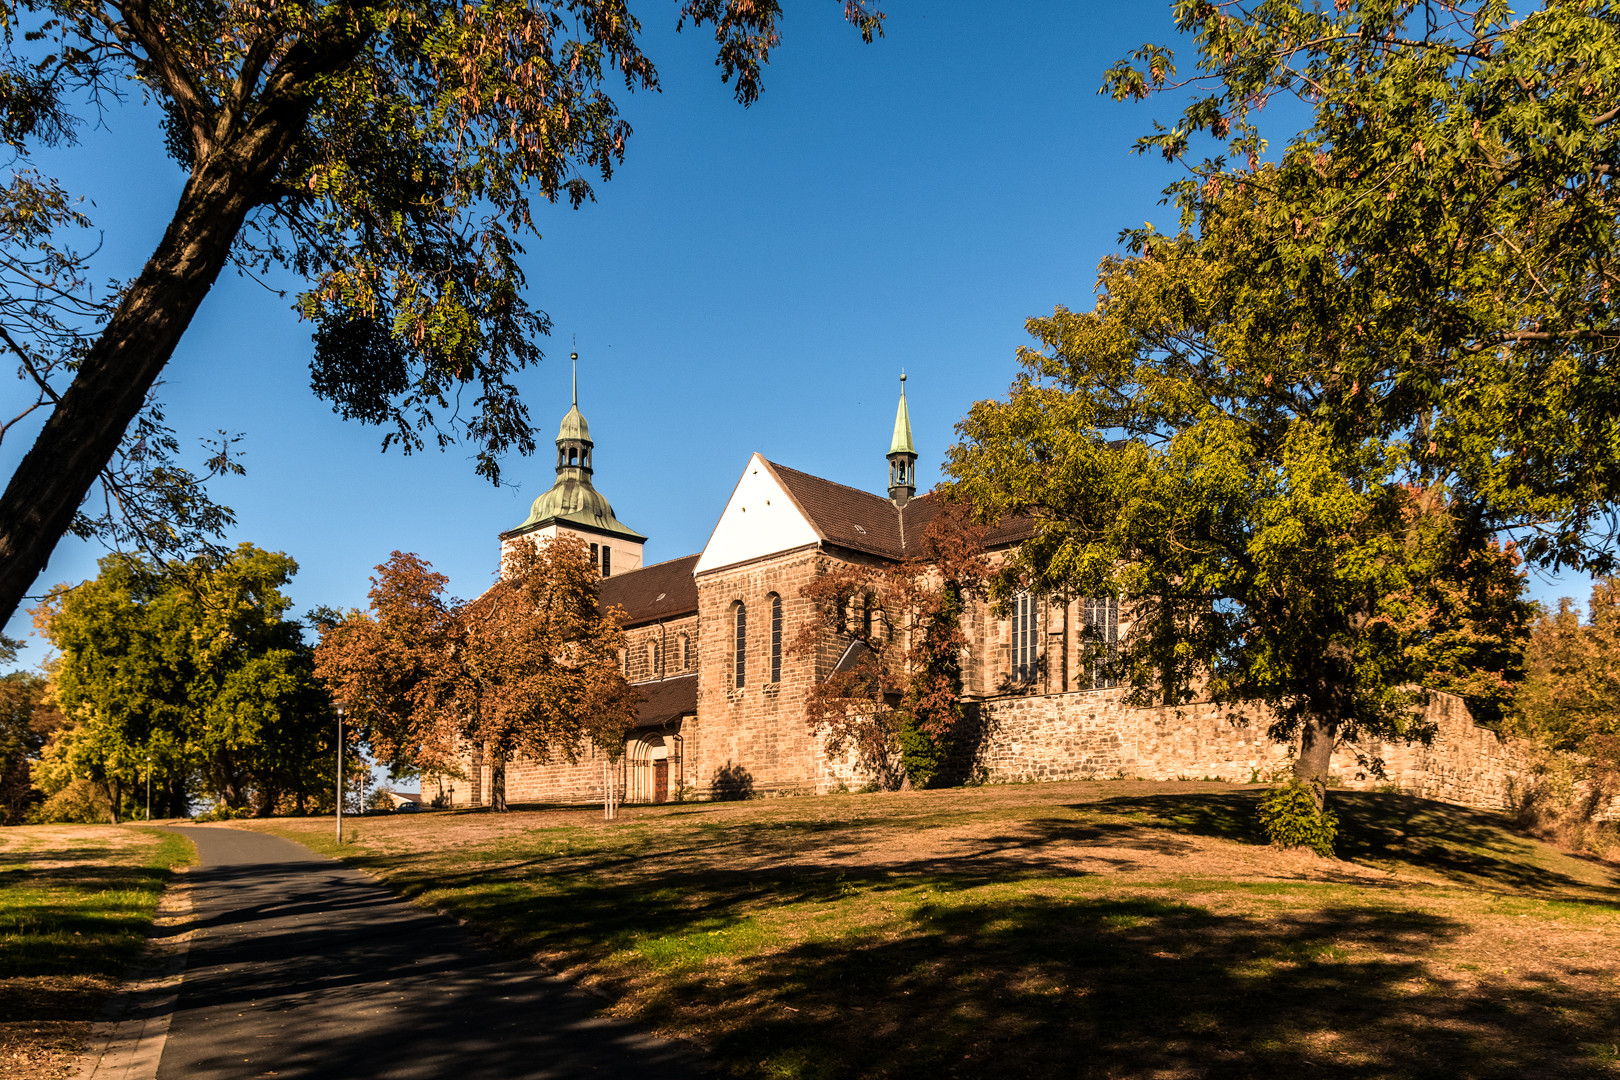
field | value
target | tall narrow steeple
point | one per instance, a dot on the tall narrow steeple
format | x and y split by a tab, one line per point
902	454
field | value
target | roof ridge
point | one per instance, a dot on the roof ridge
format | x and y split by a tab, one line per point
834	483
656	565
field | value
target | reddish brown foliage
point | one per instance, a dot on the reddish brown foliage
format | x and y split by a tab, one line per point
898	632
530	667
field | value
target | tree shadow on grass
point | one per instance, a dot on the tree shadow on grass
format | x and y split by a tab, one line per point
1396	832
962	984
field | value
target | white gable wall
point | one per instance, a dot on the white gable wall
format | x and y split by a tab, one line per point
759	520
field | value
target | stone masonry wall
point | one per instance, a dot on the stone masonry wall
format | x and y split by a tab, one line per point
753	739
1097	734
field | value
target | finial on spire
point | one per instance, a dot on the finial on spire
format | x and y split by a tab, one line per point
575	358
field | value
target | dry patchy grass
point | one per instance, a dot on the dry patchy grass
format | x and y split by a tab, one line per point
75	905
1115	929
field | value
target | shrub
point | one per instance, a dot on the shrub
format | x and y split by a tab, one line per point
1292	820
79	803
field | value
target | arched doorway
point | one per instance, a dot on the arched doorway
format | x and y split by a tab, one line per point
648	758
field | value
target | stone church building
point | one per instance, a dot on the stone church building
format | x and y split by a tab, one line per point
722	711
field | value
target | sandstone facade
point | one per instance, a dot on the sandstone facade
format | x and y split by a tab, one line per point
708	730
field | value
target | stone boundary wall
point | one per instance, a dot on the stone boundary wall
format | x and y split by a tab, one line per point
1094	734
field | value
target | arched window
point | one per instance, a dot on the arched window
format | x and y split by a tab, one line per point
1102	641
654	667
739	662
1025	653
867	607
683	646
776	638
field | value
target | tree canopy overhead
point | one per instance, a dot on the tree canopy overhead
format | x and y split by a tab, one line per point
1447	219
387	153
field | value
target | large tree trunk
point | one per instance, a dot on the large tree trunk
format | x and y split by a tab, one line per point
497	784
1318	735
82	433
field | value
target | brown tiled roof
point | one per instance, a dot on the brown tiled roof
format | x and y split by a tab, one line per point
843	515
667	700
660	591
870	523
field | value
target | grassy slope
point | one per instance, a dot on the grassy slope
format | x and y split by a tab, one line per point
75	905
1102	929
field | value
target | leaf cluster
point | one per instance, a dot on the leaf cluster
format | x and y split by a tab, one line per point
1453	200
192	666
530	667
894	632
1179	447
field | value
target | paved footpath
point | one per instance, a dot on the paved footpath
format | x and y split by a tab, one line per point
303	968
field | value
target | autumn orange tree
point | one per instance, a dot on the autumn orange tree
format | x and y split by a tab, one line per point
1571	700
387	154
529	668
893	632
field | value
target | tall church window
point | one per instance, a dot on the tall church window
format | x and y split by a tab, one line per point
739	662
1101	641
683	645
595	555
776	638
1025	650
654	660
867	606
607	560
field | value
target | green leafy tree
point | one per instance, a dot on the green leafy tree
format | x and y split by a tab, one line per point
1262	560
1446	227
193	667
1571	700
387	154
27	721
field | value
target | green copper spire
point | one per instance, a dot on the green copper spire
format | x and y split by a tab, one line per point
572	501
902	455
902	424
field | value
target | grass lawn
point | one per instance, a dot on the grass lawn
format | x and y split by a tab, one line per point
75	905
1109	929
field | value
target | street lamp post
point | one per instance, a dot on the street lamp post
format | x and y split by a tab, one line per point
338	707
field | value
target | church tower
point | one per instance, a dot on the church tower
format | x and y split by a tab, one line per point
574	507
902	455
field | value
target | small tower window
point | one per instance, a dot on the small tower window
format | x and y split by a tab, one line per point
739	663
776	638
573	455
595	555
607	560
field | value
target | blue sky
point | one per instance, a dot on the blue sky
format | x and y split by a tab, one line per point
748	280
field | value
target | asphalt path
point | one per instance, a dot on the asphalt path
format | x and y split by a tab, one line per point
303	968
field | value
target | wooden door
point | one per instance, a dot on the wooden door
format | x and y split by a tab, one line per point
661	780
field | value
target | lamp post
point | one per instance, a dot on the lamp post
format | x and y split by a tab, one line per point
338	708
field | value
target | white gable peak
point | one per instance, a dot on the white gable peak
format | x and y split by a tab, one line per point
761	519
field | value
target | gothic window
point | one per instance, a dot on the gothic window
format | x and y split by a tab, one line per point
1102	641
683	646
776	638
739	662
1025	650
607	560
